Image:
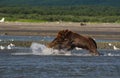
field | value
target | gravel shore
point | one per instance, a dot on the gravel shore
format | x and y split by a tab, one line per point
96	30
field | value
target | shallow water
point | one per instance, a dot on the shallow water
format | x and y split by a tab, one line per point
42	66
38	61
25	38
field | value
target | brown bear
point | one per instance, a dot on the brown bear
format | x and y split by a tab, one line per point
68	40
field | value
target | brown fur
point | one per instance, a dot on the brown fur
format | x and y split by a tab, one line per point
68	40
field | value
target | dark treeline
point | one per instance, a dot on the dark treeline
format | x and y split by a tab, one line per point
62	13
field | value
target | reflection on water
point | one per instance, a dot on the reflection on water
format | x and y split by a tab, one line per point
38	61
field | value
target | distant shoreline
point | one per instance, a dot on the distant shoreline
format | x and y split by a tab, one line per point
96	30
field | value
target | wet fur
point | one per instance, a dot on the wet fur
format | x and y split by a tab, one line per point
68	40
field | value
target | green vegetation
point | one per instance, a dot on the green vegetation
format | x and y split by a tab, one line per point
60	10
61	13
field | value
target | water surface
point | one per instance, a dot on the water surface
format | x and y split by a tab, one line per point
39	62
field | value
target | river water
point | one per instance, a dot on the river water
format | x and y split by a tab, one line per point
38	61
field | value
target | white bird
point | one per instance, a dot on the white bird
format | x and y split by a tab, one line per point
115	48
78	48
10	46
0	40
2	20
109	44
2	47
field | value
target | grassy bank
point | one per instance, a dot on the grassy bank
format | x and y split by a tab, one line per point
68	18
61	13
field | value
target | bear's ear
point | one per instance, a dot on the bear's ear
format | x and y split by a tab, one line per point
59	34
68	34
64	34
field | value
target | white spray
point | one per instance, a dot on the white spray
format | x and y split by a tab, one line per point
40	49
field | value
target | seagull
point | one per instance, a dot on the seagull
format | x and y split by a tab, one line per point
2	20
2	47
78	48
10	46
109	44
115	48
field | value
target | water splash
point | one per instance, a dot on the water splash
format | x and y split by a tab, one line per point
40	49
